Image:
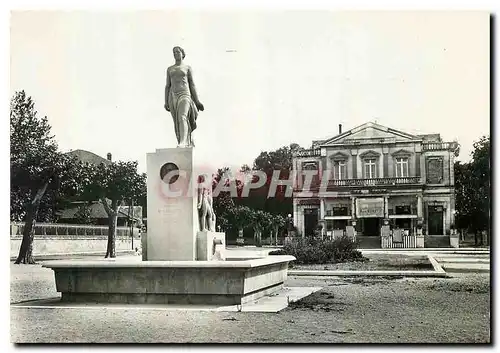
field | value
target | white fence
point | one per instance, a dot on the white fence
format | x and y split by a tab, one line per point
408	241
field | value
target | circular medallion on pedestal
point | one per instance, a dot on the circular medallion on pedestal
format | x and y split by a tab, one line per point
169	168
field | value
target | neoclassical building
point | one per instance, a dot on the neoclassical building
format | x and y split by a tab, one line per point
373	176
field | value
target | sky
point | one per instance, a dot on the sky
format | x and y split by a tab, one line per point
266	79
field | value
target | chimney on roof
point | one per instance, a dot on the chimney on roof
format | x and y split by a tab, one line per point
340	129
108	157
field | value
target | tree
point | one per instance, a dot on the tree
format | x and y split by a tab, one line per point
37	169
258	221
143	200
473	188
240	218
481	177
32	148
113	185
238	213
280	160
223	204
464	194
245	168
278	222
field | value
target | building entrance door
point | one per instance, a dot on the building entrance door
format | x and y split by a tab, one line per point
435	220
310	221
371	227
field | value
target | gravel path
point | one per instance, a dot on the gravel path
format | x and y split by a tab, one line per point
350	310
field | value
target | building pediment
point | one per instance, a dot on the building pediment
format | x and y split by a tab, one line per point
339	156
402	153
369	154
370	133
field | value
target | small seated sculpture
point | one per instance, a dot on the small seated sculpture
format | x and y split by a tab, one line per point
216	250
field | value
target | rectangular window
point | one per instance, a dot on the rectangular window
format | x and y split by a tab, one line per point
405	209
339	170
402	167
370	168
340	211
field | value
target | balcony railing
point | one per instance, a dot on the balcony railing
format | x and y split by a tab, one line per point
309	153
375	182
335	184
439	146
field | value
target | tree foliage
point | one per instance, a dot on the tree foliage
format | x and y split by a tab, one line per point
473	188
269	161
223	204
114	185
258	211
33	151
40	175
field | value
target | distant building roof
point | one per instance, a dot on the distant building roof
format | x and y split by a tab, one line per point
97	211
89	157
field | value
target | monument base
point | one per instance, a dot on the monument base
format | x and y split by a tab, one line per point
172	205
170	282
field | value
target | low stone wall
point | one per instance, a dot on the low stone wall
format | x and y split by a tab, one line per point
68	244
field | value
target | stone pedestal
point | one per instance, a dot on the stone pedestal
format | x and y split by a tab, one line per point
211	246
172	213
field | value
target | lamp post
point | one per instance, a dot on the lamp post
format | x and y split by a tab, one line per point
131	220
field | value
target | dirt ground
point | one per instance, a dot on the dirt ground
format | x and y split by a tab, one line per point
346	310
392	262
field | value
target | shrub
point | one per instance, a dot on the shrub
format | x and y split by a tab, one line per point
318	251
278	252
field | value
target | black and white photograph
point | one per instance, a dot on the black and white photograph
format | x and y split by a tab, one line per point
250	176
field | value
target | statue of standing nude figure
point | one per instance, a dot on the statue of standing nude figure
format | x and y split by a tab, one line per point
181	99
205	204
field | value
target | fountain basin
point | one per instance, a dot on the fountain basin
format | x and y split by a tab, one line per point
169	282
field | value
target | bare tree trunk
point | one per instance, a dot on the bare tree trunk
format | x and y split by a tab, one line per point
26	251
110	250
113	219
257	237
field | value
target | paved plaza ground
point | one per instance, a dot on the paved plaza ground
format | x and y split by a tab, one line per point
346	310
